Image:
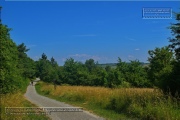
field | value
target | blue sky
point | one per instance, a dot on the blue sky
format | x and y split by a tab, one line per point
103	31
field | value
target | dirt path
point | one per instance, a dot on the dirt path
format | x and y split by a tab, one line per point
42	101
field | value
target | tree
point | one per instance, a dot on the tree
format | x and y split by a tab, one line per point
81	74
55	67
47	70
137	75
44	57
53	62
108	68
174	81
160	66
175	42
122	67
132	73
29	68
90	64
26	65
10	77
70	71
22	50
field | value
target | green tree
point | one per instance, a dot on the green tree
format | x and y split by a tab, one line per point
160	66
82	74
10	77
175	41
55	69
70	71
46	70
108	68
137	75
29	68
131	74
22	50
123	69
174	81
90	64
60	75
53	62
44	57
96	76
26	65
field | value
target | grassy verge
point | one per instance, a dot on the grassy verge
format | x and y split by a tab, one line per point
18	100
116	104
77	101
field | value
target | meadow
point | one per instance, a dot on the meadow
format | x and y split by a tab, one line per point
119	103
18	100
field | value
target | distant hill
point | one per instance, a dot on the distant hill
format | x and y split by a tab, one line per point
113	65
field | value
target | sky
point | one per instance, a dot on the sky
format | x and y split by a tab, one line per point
101	30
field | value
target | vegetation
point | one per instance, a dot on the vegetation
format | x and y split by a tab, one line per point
17	100
119	103
174	82
91	74
16	67
16	70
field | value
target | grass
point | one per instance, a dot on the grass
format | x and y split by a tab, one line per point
116	104
18	100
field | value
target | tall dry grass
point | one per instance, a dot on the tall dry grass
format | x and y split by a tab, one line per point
142	103
17	100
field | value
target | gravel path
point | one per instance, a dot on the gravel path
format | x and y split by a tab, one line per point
42	101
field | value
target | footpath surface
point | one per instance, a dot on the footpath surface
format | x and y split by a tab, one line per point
42	101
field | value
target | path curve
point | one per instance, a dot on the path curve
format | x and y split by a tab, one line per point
42	101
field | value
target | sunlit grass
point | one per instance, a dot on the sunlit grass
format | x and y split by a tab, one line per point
18	100
141	103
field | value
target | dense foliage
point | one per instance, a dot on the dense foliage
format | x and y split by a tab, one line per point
91	74
164	69
15	65
174	81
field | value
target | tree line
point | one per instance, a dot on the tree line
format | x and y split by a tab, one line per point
15	66
163	71
91	74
